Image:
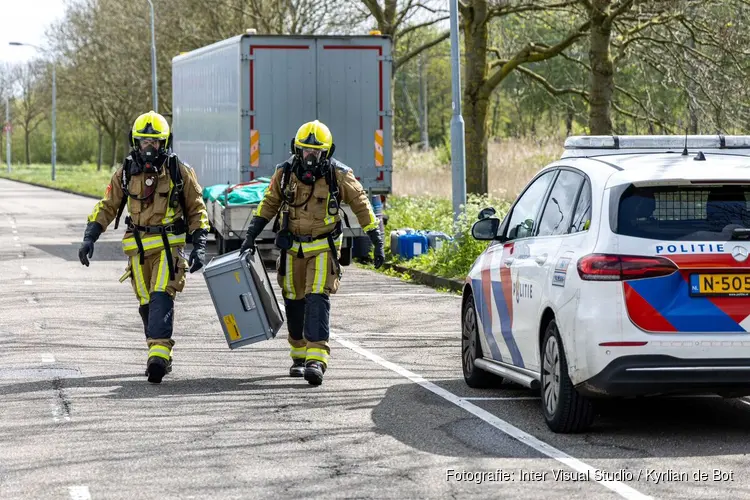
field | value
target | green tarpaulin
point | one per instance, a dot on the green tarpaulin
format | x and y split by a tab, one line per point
239	194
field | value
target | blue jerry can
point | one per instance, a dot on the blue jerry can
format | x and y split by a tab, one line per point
412	244
395	235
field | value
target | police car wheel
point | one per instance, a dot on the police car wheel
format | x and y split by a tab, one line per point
471	349
565	410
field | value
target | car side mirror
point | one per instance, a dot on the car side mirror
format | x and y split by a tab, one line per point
485	229
486	213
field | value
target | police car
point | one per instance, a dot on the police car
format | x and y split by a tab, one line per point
620	270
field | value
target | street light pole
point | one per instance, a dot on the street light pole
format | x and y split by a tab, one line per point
154	95
458	159
7	131
54	120
54	104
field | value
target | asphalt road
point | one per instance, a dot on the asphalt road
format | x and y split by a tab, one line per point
393	418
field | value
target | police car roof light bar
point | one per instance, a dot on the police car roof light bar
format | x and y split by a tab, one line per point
661	142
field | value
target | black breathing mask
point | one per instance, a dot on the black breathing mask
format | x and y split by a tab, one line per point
150	159
311	167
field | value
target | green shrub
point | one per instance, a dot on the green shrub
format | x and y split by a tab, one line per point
427	213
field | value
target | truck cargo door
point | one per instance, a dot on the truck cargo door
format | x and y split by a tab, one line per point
353	99
282	90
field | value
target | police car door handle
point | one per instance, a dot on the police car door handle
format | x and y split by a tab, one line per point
509	261
541	259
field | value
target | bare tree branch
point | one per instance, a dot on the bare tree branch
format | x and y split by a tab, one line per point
532	53
415	52
617	11
420	26
549	87
508	9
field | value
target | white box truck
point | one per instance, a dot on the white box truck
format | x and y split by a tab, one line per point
237	103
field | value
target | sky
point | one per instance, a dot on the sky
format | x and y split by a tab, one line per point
25	21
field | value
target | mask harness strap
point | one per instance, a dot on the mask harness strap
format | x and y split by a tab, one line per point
136	231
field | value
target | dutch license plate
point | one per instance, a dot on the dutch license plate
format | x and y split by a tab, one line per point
728	285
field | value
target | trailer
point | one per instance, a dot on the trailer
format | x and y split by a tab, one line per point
237	104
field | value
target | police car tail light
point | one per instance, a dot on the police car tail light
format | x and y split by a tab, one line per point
606	267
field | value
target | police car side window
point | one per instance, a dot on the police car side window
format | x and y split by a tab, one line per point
523	219
559	209
582	216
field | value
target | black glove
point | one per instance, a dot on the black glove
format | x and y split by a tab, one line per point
253	230
92	233
198	255
377	241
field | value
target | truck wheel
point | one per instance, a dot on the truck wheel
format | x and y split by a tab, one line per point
565	410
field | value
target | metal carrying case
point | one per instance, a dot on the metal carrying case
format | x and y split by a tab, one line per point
243	298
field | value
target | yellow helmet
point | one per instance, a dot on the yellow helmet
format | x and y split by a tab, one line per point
151	125
313	135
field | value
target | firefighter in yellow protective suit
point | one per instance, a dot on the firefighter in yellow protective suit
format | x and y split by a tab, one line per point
306	191
165	203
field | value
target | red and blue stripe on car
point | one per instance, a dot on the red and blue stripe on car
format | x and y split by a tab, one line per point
493	291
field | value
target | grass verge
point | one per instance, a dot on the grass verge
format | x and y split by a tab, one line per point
85	179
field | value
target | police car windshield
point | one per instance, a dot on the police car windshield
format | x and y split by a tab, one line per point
701	213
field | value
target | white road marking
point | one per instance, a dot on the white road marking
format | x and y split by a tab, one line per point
31	300
59	413
535	398
408	294
18	244
27	282
406	335
369	294
20	255
48	358
509	398
79	493
24	268
14	230
618	487
15	238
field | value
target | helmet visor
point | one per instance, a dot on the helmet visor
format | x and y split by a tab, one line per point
144	142
311	156
310	153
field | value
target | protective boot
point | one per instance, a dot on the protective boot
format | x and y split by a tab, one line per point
168	368
314	371
156	368
298	368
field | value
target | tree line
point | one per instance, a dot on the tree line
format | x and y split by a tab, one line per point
529	67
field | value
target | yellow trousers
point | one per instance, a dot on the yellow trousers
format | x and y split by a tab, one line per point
306	286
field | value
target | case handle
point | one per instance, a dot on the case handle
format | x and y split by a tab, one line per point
247	301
